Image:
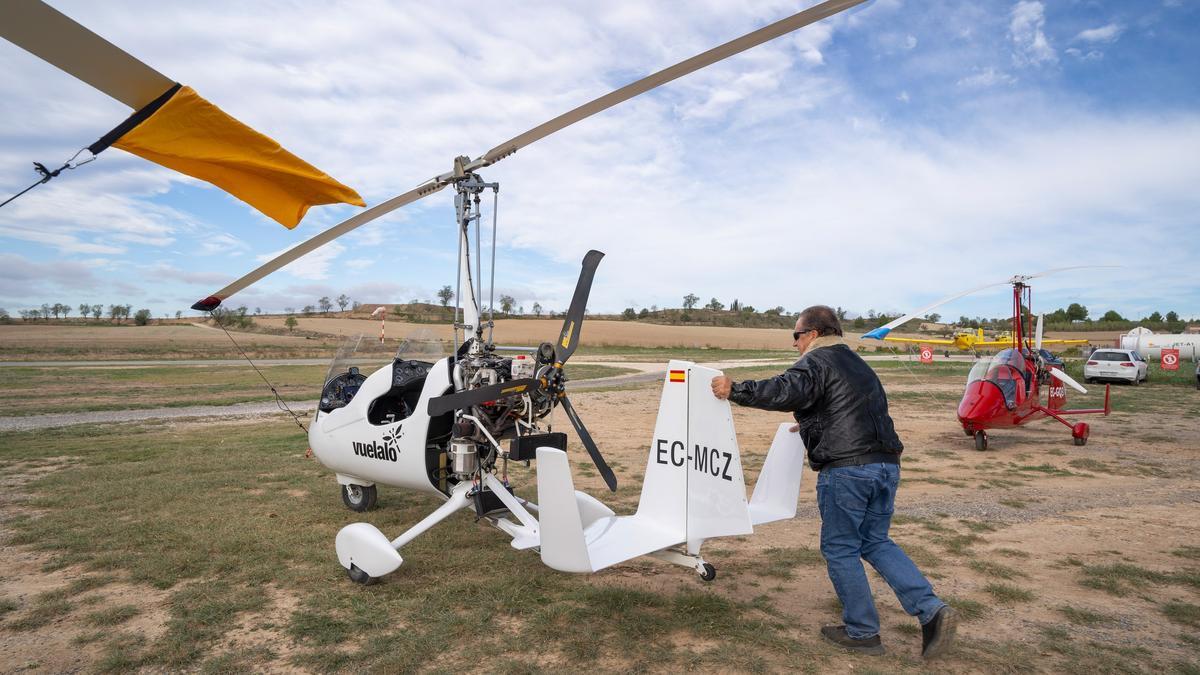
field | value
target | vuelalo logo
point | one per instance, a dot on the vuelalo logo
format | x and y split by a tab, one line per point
386	451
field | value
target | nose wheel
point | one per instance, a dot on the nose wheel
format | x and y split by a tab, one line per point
981	440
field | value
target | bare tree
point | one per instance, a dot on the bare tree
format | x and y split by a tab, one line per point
84	309
506	303
537	309
342	301
325	304
66	309
97	310
445	295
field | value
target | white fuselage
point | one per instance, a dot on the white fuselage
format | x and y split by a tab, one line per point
391	453
1150	345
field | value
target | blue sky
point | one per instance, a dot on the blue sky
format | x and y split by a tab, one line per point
881	159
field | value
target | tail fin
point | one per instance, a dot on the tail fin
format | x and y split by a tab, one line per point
778	486
694	471
1056	395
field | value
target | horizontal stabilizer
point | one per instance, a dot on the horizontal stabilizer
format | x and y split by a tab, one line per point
778	487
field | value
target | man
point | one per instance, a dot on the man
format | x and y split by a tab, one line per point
842	415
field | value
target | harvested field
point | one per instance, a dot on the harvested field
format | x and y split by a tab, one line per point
20	342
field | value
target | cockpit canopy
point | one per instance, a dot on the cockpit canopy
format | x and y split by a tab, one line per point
1006	370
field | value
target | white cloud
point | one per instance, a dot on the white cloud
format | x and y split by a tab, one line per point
1107	33
1026	30
315	266
986	77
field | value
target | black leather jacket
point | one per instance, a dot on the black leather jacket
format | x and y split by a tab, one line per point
837	400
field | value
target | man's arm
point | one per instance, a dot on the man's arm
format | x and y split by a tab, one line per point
791	390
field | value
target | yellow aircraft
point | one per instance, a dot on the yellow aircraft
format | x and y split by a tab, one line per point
968	341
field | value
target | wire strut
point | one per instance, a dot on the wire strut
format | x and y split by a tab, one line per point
278	399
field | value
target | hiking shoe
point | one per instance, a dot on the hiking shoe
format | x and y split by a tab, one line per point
937	635
838	636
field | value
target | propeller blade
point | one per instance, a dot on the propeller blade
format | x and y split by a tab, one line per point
213	301
735	46
1067	379
568	339
465	399
609	478
1037	345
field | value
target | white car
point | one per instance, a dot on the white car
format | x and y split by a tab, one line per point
1116	364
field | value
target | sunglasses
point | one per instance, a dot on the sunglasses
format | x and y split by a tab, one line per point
796	334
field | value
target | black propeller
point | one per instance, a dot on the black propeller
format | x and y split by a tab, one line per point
568	339
552	382
465	399
593	451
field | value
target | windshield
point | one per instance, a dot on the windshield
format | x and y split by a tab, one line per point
1111	356
368	352
1005	370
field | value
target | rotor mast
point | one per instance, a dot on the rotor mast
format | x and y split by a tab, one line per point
468	186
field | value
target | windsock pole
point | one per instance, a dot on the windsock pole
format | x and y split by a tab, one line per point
382	320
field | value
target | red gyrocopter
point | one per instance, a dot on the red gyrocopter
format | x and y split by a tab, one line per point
1005	391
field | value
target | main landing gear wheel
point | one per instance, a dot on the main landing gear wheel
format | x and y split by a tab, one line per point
360	577
709	572
1080	433
359	497
980	440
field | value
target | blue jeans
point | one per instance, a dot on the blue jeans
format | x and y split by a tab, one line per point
856	504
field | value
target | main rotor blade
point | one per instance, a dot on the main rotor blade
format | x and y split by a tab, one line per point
568	338
609	478
465	399
1027	277
736	46
1069	380
1038	344
882	331
357	220
59	40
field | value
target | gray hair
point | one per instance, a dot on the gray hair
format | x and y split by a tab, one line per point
822	319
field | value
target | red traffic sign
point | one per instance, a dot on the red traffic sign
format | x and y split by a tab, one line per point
926	354
1170	359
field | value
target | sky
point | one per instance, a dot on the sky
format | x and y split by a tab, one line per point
897	153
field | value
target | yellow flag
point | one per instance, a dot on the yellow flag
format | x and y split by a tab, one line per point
195	137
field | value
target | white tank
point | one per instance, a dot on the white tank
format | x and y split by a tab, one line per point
1150	344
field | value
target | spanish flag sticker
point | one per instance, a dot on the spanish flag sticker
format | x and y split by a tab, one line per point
678	376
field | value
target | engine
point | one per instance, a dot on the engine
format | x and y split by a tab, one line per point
484	426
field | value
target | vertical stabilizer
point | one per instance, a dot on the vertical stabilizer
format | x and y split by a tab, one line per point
664	489
561	527
716	489
778	487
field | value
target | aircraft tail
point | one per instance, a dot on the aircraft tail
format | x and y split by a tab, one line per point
693	487
778	487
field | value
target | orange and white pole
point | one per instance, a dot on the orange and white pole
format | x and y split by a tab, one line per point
379	311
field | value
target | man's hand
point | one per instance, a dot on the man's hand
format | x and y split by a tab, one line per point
721	386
